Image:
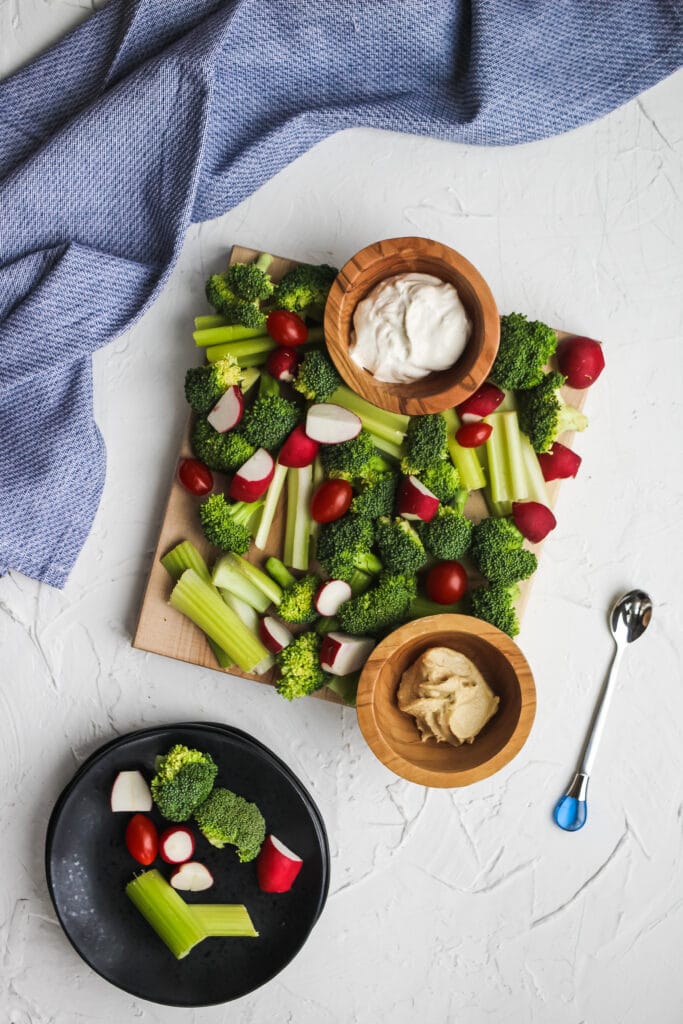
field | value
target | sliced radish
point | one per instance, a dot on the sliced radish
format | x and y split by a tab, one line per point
228	410
251	480
331	596
298	450
330	424
559	463
274	634
192	877
130	793
415	501
342	654
483	402
282	363
276	867
176	845
533	520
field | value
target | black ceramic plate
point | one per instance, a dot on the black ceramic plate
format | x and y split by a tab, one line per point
88	866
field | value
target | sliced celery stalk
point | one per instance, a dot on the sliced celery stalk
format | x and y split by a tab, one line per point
318	477
279	572
465	460
166	912
249	378
248	615
298	520
500	484
213	320
251	352
228	576
345	687
270	506
513	442
422	606
387	447
536	488
223	919
389	426
185	556
219	335
259	578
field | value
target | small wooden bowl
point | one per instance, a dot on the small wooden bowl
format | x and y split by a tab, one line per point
393	735
445	388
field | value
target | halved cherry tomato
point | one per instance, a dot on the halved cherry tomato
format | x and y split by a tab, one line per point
142	839
472	435
195	476
286	328
446	582
331	500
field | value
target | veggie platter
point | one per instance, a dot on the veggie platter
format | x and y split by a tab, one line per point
469	497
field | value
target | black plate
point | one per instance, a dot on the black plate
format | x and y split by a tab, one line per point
88	866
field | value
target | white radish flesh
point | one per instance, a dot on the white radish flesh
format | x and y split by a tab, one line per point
341	654
415	501
176	845
252	480
228	410
331	424
276	867
192	877
274	634
331	596
130	793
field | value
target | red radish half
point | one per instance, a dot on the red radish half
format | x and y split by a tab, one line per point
130	793
415	501
176	845
276	867
484	401
330	424
533	520
282	363
341	654
298	450
581	360
331	596
473	435
252	479
192	877
559	463
274	634
228	410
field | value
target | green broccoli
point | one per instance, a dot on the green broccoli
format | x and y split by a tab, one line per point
184	778
447	535
204	385
495	604
316	378
226	819
543	414
357	459
297	600
268	422
498	553
299	665
400	548
525	347
442	479
380	608
344	546
426	443
227	525
220	452
251	281
376	497
236	293
304	286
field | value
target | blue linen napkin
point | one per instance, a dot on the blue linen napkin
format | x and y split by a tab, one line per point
159	113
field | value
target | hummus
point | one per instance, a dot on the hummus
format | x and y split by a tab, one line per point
447	695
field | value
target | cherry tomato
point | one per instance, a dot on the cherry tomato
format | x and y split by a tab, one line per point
195	477
286	328
331	500
446	582
142	839
472	435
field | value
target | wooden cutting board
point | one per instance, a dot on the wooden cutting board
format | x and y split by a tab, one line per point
163	630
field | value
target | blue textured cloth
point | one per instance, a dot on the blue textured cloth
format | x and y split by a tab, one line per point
158	113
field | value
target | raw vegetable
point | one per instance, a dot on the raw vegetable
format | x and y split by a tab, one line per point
421	606
473	435
220	452
536	488
376	497
317	378
226	819
330	595
277	867
176	845
389	427
268	422
341	654
400	547
498	553
246	581
299	665
581	360
354	460
525	347
331	424
227	526
166	912
248	353
415	501
185	556
345	687
298	600
130	793
208	334
345	546
142	839
282	364
236	293
271	503
286	328
228	410
543	414
559	463
298	517
195	477
274	634
210	320
331	500
253	478
426	442
483	402
495	603
464	459
533	520
446	582
223	919
448	535
305	286
379	608
442	479
192	877
204	385
183	780
298	450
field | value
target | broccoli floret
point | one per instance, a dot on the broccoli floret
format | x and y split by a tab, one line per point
184	778
299	664
498	553
544	415
236	293
226	819
204	385
317	377
304	286
426	443
344	546
227	525
495	604
381	607
442	479
357	459
268	422
376	497
400	548
220	452
525	347
297	600
447	535
251	280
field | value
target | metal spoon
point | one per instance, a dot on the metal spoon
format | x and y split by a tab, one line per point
628	620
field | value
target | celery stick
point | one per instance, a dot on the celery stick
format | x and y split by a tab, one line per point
298	522
318	477
390	426
499	509
422	606
345	687
279	572
248	615
249	378
386	447
536	488
465	460
513	443
228	575
500	483
204	606
259	578
185	556
290	517
327	624
227	333
166	912
223	919
245	352
213	320
270	506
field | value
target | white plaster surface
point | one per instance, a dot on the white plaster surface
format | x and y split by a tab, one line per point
467	906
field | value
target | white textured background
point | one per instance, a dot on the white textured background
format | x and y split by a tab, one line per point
469	905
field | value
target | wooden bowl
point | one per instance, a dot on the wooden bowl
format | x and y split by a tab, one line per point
393	735
445	388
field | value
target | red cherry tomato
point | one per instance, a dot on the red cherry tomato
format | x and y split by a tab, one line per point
472	435
446	582
286	328
331	500
142	839
195	477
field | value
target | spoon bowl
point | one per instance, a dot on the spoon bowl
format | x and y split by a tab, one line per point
630	616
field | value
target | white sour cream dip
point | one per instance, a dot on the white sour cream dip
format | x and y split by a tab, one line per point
408	326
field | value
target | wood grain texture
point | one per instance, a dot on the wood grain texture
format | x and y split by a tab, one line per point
438	391
393	735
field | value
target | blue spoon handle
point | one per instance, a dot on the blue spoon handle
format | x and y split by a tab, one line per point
571	809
